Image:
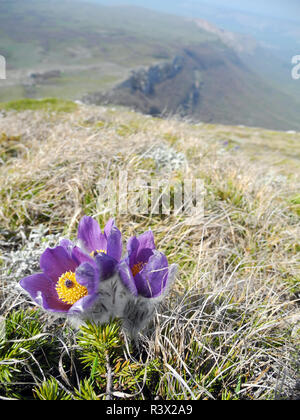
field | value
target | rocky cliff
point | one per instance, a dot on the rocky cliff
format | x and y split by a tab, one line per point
145	79
210	84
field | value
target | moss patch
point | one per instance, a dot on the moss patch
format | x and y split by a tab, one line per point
48	104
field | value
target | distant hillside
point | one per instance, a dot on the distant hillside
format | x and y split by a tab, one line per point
277	39
73	49
91	45
208	84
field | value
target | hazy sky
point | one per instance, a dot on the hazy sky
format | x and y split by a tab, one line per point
287	9
277	8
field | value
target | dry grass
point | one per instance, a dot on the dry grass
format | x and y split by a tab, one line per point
230	328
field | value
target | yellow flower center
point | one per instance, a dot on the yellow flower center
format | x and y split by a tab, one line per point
137	268
69	290
98	251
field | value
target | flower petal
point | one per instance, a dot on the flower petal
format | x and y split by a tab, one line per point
143	255
42	290
152	280
127	277
141	248
114	244
56	261
90	235
108	227
146	240
87	274
83	304
66	243
106	266
79	256
132	249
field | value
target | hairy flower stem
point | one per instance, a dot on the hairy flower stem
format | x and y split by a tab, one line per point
109	378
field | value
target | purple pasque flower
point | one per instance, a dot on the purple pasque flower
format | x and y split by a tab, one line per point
62	285
145	271
113	296
93	241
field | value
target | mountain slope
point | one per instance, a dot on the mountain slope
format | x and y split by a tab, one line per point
277	38
210	84
91	45
71	48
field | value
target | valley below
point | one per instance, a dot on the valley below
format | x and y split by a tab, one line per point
155	63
